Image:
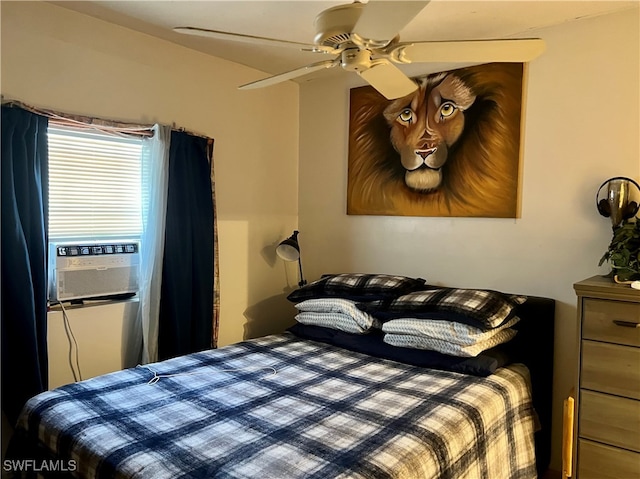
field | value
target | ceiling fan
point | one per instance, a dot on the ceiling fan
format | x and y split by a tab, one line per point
363	38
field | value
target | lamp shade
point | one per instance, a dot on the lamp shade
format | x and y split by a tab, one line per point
289	249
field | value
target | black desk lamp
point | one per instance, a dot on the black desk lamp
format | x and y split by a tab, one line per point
289	250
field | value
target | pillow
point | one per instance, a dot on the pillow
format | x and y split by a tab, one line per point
358	287
340	321
338	305
445	347
486	309
372	344
451	331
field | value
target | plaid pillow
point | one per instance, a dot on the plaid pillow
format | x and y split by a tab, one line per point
358	287
483	308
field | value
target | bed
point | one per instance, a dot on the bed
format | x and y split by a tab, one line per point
312	402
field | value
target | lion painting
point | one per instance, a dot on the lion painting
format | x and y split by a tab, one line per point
452	148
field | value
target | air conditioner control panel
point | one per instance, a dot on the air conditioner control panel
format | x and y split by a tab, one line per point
96	249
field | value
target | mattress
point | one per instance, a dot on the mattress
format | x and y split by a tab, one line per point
285	407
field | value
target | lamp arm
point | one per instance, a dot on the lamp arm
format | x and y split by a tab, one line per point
302	280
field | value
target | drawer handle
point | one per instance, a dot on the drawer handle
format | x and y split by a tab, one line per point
626	324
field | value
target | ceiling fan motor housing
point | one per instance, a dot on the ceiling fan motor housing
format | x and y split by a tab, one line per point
334	25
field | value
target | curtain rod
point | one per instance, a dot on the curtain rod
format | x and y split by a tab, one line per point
81	121
184	130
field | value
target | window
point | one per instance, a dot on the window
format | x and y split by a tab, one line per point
95	184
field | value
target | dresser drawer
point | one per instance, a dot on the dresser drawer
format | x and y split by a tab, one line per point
611	369
610	419
597	461
611	321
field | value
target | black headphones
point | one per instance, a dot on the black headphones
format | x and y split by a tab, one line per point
604	208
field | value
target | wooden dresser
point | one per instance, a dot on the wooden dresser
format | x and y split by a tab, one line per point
607	426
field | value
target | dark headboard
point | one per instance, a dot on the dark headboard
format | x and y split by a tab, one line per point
533	346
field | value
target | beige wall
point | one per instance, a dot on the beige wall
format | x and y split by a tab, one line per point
581	127
101	330
58	59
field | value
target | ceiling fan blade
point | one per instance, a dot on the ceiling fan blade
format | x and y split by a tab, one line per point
389	80
239	37
382	20
290	75
481	51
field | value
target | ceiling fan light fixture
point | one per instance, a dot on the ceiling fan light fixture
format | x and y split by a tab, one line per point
355	60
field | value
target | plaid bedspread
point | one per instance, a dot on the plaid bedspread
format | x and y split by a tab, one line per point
281	407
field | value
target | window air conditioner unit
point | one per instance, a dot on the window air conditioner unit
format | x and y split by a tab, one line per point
90	270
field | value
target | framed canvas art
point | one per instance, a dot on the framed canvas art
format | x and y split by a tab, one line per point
452	148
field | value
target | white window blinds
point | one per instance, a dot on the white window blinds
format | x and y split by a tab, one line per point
94	185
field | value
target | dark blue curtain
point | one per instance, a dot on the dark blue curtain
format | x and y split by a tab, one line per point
24	257
186	304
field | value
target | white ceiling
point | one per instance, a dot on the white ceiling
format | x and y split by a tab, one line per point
293	20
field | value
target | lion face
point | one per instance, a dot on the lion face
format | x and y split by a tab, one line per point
424	126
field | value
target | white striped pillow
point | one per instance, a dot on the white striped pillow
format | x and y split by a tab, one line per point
339	321
452	331
339	305
446	347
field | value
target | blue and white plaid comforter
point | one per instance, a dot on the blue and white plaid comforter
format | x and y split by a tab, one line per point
321	412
